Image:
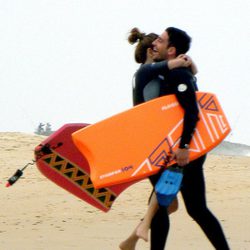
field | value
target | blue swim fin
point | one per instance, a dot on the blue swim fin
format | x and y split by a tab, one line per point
168	185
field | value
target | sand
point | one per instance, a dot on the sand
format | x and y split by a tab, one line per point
37	214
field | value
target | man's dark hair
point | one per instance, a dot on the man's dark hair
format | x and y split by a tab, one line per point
179	39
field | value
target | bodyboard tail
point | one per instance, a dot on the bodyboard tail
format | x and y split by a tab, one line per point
59	160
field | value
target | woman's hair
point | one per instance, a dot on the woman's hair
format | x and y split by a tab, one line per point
144	42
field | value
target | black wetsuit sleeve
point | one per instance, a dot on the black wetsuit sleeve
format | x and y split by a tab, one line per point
183	85
144	75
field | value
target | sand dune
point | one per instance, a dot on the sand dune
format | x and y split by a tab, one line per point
229	148
37	214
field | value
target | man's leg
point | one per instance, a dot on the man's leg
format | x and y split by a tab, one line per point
193	192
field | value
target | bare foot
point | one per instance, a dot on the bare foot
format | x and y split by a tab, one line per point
129	243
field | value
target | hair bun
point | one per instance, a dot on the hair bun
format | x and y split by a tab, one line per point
135	35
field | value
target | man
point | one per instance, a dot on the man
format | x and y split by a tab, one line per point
145	89
180	82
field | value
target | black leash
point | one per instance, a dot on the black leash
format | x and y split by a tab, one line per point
18	174
43	150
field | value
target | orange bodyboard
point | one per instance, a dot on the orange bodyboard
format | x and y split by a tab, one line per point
134	144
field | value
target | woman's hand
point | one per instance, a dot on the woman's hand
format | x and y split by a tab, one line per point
183	61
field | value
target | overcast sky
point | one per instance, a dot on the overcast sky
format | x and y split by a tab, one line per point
64	61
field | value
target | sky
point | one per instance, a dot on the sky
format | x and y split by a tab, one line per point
67	61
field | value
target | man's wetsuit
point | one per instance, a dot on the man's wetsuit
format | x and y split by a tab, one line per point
154	80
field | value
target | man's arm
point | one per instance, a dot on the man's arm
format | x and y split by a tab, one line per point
183	86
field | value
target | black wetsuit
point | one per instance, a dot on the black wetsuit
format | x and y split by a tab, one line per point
154	80
150	82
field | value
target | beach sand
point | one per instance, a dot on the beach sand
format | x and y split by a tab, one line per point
37	214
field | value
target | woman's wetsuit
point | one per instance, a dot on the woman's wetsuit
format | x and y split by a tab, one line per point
154	80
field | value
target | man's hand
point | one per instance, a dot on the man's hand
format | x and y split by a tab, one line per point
181	155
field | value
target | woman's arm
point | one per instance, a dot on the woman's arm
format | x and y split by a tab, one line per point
183	61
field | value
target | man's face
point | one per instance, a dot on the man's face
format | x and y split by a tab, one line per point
160	47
